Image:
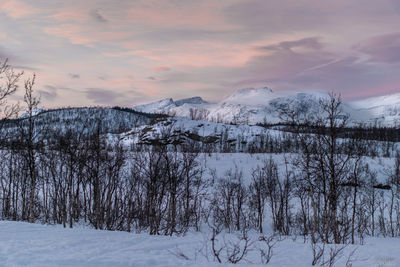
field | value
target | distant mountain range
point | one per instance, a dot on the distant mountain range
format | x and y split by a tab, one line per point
263	105
225	126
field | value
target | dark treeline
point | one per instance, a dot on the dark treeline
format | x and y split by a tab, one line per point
222	141
365	132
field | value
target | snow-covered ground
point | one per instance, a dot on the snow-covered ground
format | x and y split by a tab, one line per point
23	244
245	162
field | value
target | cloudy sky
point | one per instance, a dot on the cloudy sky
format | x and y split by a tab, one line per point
126	52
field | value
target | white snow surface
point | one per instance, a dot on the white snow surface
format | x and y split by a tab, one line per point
157	107
168	106
23	244
246	163
258	105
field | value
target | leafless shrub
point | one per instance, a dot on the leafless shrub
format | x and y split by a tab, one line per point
267	251
216	251
236	251
335	253
179	254
226	250
324	258
318	252
350	258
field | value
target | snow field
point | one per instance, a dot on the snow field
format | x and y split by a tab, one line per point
23	244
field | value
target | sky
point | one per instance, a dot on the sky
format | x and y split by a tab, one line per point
120	52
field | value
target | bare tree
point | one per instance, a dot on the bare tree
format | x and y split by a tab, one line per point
326	163
9	83
29	136
258	195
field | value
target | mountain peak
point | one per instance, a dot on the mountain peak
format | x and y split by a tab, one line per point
191	100
250	96
252	90
157	106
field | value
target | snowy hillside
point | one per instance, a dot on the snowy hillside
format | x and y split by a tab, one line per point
246	106
157	107
263	105
168	106
179	130
82	120
384	109
258	105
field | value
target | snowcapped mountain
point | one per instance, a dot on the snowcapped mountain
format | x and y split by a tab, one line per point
182	107
192	100
164	105
260	105
160	106
246	106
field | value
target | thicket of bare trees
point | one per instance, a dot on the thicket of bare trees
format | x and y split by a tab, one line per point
326	191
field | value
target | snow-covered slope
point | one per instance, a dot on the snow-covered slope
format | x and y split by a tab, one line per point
80	121
260	105
219	136
169	106
246	106
24	244
161	106
35	112
191	100
384	110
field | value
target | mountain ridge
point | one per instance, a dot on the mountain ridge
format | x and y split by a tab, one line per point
262	105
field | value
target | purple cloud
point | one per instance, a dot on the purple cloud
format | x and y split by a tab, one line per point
48	93
102	96
309	43
383	48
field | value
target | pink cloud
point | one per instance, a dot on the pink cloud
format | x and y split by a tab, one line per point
71	32
182	13
202	54
146	54
160	69
78	15
85	35
198	45
71	14
16	9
